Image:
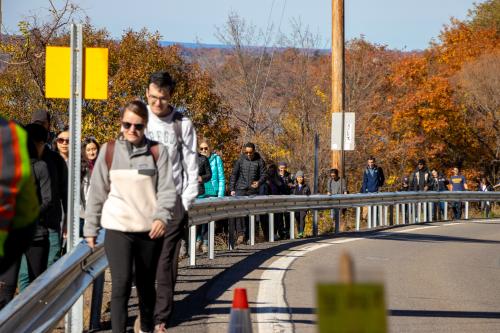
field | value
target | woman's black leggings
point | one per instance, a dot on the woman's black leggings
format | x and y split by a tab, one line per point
300	216
124	250
37	255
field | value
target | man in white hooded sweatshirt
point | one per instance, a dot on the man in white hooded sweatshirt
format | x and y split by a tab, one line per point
169	127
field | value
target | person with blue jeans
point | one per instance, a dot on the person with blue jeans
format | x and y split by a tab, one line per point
438	183
215	187
457	183
373	179
204	175
55	217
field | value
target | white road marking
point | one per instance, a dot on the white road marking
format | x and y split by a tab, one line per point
271	307
452	223
417	228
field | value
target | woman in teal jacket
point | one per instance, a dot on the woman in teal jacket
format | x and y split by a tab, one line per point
215	187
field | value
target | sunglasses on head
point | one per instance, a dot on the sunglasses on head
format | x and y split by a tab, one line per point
128	125
62	140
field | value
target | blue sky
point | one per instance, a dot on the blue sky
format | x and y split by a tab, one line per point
400	24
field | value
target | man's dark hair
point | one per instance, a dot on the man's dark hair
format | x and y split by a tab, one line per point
249	145
371	158
335	171
37	133
163	80
421	161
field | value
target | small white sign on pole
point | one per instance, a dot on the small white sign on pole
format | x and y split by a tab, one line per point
349	130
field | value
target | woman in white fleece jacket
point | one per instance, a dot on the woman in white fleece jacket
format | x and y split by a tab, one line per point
132	196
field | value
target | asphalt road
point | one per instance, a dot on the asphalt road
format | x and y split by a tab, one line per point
438	277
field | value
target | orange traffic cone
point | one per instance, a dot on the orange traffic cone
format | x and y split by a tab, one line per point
240	321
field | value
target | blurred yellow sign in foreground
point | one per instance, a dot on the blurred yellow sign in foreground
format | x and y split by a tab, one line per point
58	73
345	307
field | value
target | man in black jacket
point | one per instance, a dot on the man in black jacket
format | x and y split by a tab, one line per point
421	178
249	172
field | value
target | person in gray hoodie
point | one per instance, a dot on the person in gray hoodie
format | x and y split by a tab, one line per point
133	197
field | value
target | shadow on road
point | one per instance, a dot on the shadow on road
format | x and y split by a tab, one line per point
444	314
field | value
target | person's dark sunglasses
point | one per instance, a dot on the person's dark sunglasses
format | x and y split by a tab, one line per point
62	140
203	148
128	125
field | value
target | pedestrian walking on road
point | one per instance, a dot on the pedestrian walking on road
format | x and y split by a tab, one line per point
485	186
282	220
420	179
373	179
90	151
216	186
438	183
19	205
457	183
37	252
249	172
335	185
171	127
301	188
204	175
133	197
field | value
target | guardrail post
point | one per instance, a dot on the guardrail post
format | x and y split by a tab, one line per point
431	211
424	204
211	240
403	213
397	213
381	216
358	217
315	222
466	210
271	227
410	213
386	215
252	229
192	245
445	218
419	212
292	225
369	217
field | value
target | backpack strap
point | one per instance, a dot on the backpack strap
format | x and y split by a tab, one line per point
178	136
155	150
110	150
178	129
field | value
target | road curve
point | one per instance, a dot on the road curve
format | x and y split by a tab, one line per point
439	277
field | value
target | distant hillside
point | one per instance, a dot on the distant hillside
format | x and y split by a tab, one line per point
195	45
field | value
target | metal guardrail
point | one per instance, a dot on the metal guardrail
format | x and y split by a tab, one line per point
45	302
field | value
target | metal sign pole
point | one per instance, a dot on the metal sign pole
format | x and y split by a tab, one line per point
74	320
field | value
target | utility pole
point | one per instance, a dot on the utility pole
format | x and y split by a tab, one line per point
338	84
